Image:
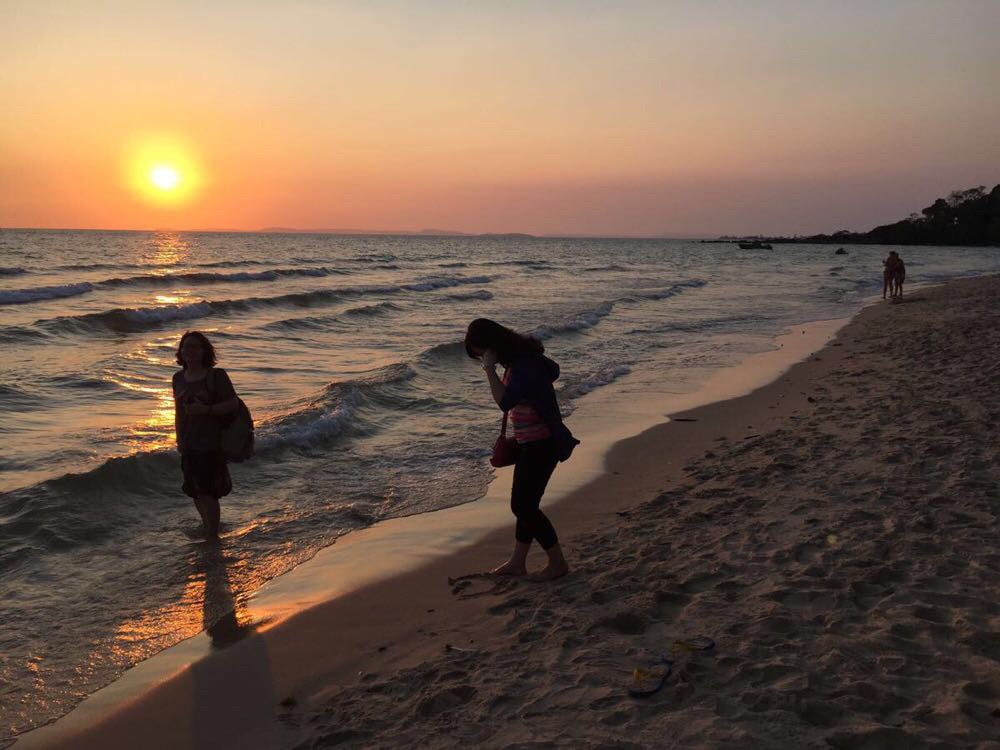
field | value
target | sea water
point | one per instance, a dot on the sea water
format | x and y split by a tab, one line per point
348	350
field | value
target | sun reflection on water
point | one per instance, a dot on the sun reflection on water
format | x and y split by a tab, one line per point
167	249
155	429
170	299
208	601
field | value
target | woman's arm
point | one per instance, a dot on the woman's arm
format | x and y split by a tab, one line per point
223	388
497	388
178	421
226	407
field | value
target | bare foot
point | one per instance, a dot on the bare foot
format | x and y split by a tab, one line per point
509	568
550	572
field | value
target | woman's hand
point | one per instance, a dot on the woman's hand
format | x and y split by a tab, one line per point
489	359
196	408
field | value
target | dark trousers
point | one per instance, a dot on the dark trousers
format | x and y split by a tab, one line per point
535	464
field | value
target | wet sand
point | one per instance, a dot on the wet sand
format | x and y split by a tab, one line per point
835	532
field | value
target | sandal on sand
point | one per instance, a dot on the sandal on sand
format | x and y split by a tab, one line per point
698	643
646	682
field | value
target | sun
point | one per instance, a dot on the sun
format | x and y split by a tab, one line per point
162	170
165	177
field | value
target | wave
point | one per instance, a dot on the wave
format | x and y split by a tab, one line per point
126	320
669	291
12	271
20	334
100	266
376	309
81	508
438	282
324	322
15	398
206	277
530	263
574	388
237	263
479	294
453	265
612	267
579	322
729	323
329	414
105	266
588	319
446	351
37	294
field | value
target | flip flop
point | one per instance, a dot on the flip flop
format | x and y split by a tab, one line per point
698	643
646	682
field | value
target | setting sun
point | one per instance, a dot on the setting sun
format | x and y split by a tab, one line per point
162	170
164	177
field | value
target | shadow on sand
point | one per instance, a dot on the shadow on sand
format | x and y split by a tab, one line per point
235	682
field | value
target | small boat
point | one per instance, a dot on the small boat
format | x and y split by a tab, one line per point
755	245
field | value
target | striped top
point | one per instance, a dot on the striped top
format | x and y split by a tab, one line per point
527	425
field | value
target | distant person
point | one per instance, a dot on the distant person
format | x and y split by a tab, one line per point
899	275
893	274
526	395
202	394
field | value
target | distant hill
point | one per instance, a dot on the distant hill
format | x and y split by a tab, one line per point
965	217
400	232
431	232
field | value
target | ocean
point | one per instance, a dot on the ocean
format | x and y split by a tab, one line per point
348	351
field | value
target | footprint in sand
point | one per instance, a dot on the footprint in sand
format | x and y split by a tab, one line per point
445	701
625	623
806	553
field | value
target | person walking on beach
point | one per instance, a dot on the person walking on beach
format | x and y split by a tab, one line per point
898	276
893	275
525	394
202	394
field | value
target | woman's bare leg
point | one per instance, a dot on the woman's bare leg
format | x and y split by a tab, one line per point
517	564
557	567
208	506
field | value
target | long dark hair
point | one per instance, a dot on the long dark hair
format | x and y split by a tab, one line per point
208	358
509	345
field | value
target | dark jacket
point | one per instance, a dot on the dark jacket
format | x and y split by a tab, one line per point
531	379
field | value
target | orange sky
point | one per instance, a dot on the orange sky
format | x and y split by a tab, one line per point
558	117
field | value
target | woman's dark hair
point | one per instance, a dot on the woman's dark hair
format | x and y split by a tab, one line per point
509	345
208	358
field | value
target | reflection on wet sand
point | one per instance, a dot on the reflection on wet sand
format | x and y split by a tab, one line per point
232	684
222	616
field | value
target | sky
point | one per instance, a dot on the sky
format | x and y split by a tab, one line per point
564	117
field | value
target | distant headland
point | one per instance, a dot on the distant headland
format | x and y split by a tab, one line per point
965	217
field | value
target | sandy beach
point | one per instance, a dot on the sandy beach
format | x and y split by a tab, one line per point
835	533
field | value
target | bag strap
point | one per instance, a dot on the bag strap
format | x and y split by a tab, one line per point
503	423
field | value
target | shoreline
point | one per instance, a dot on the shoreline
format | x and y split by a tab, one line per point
436	652
413	543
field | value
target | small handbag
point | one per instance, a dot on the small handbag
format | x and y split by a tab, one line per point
505	449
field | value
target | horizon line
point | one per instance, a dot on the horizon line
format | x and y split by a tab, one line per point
386	232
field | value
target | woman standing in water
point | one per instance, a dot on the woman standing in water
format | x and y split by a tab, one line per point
202	394
526	394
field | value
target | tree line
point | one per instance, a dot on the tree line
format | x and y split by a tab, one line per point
965	217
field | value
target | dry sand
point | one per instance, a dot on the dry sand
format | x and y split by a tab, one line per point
835	532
